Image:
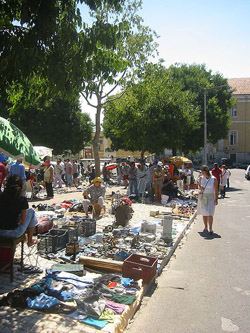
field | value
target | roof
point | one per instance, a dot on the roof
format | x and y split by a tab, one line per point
240	86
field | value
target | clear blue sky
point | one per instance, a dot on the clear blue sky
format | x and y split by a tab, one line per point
214	32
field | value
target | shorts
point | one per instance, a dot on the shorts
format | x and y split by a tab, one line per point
75	175
158	183
125	177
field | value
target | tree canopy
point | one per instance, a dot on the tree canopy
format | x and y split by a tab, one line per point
46	37
154	114
48	121
166	110
195	78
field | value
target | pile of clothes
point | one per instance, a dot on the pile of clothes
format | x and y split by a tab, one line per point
93	301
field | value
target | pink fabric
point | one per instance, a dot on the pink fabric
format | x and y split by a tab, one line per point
116	307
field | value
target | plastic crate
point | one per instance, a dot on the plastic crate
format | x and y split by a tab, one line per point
53	241
87	227
72	232
139	267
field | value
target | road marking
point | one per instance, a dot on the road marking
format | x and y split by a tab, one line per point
228	326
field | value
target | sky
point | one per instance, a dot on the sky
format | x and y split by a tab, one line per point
211	32
214	32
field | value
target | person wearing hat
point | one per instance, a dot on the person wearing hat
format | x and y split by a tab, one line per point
94	196
19	170
48	178
158	176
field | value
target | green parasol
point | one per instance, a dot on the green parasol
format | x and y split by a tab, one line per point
15	144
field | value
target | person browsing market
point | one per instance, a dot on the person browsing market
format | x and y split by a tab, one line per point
94	195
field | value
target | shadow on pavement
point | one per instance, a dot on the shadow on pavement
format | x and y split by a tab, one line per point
207	236
233	189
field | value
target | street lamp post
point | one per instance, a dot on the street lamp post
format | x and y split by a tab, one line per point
205	120
205	127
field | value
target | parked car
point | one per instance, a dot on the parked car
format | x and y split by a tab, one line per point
241	165
226	161
247	173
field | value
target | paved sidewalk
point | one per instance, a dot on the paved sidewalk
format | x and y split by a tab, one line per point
206	288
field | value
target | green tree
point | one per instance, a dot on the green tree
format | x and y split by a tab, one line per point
110	67
195	78
54	122
43	37
154	114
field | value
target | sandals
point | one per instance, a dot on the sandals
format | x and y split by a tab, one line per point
205	230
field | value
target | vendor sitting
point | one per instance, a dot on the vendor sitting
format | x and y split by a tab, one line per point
168	187
15	217
96	191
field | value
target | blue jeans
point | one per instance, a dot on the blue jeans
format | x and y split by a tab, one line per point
69	179
223	192
133	186
29	222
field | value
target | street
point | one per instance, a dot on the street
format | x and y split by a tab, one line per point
205	287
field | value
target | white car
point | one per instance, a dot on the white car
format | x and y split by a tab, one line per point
247	173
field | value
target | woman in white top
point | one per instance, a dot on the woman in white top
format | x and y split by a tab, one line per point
223	180
208	198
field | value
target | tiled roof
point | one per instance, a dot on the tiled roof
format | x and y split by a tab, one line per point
241	86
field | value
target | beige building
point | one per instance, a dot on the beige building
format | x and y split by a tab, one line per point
106	152
237	145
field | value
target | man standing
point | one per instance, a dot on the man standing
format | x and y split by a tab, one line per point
119	173
125	174
75	172
58	173
216	172
69	173
149	181
94	196
19	169
132	176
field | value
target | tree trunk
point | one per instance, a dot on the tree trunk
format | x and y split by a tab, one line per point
95	141
174	152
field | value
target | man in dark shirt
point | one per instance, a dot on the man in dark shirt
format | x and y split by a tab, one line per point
2	174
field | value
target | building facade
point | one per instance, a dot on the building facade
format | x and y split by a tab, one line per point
105	150
237	145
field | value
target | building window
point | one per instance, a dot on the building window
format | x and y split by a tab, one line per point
233	112
233	138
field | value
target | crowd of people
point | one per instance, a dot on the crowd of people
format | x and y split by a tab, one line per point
140	180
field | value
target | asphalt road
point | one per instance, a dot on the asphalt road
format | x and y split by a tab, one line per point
206	287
